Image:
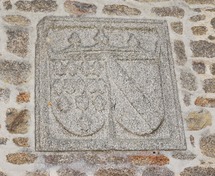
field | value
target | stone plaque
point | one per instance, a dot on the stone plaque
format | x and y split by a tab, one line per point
105	84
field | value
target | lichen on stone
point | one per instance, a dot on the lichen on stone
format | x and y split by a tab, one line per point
180	52
198	171
79	8
69	172
199	67
198	120
14	72
7	4
115	172
205	102
209	85
207	146
188	80
23	97
21	141
212	68
5	95
21	158
200	1
120	10
203	48
37	173
157	171
17	122
17	20
177	27
18	41
184	155
172	11
199	30
36	5
197	18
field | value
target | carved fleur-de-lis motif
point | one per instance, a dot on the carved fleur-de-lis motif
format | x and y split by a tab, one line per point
92	68
74	40
101	38
133	41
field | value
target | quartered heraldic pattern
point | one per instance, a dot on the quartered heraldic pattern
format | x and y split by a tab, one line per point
105	84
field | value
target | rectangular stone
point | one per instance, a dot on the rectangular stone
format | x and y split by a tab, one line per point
106	84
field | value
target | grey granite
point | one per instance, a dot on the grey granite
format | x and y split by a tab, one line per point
105	84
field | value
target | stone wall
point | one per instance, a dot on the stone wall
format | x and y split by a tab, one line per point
192	32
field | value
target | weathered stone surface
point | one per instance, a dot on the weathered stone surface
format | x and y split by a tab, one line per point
21	158
184	155
36	5
121	64
17	121
177	27
115	172
4	95
79	8
173	11
120	10
69	172
199	30
213	22
157	171
197	18
21	141
211	37
117	159
17	20
197	10
200	1
179	49
199	67
7	4
2	174
198	171
142	160
151	0
14	72
18	41
207	145
59	159
203	48
212	69
205	102
198	120
89	158
209	85
187	98
210	10
192	140
23	97
3	141
188	81
38	173
92	159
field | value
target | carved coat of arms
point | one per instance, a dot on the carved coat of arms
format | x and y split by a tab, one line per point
105	83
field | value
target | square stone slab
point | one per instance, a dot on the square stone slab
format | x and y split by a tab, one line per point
106	84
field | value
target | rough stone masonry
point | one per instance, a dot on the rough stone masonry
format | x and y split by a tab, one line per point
107	88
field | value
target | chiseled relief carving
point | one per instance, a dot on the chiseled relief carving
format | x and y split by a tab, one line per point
105	85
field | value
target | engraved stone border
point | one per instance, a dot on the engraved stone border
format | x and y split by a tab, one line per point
44	138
